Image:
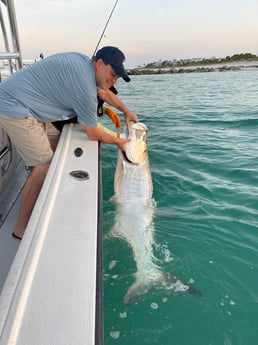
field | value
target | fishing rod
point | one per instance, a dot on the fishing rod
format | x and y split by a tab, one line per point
103	32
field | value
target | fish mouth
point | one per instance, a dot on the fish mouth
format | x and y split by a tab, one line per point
135	150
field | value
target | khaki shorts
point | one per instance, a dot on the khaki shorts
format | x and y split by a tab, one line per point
31	138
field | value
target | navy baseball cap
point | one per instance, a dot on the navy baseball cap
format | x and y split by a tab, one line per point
114	57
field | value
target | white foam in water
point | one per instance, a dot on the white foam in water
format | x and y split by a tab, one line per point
178	286
229	301
191	281
114	334
112	264
123	315
167	255
154	305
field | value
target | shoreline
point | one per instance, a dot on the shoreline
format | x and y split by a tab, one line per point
219	67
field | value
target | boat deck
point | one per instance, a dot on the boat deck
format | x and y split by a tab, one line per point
52	283
9	205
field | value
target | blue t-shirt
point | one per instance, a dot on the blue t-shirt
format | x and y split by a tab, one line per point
56	88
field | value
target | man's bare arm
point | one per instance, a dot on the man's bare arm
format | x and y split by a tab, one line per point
110	98
95	133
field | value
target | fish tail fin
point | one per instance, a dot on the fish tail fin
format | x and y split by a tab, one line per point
135	291
170	285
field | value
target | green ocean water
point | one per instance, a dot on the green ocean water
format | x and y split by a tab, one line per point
203	150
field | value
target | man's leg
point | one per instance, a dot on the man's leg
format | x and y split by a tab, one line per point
31	141
29	197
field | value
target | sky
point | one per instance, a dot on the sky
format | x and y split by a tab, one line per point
145	30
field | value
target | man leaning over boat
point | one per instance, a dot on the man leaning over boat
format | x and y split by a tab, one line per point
61	87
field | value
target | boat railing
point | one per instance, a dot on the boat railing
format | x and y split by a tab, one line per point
12	53
10	62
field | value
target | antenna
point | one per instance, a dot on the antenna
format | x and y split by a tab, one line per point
103	32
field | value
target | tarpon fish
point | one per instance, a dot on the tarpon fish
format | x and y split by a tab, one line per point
134	217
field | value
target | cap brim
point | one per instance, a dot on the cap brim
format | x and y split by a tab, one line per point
127	79
121	72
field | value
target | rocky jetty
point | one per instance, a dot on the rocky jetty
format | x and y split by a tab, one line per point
230	63
145	71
